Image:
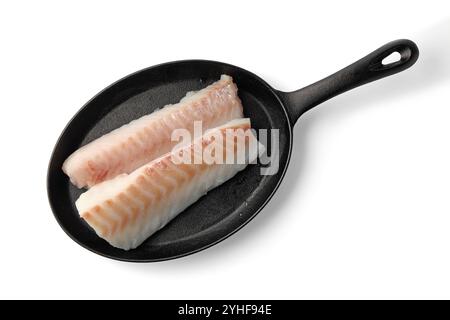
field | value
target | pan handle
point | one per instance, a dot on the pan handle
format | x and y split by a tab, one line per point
365	70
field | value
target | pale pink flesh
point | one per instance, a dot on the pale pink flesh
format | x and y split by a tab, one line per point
128	209
142	140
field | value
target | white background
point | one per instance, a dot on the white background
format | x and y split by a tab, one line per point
364	211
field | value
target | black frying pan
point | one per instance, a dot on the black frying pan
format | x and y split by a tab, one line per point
229	207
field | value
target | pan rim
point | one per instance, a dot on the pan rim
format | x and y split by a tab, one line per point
213	243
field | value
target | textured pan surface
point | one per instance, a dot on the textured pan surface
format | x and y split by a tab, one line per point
214	217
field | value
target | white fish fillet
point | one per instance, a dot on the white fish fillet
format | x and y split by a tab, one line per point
129	208
140	141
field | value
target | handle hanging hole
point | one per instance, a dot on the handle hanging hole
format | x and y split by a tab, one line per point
392	58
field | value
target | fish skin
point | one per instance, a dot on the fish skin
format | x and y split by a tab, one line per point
137	205
142	140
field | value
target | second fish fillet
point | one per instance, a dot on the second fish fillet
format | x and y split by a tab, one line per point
135	144
129	208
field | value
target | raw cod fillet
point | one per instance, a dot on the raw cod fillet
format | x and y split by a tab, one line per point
140	141
129	208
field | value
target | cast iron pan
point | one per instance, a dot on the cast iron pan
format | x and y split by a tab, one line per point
229	207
